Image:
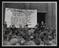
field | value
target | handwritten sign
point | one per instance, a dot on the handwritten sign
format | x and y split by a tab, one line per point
21	17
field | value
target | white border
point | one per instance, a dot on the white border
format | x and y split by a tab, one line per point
2	24
56	22
27	2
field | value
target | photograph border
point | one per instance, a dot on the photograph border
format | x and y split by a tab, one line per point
28	2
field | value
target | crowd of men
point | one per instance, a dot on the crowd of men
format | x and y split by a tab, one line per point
39	35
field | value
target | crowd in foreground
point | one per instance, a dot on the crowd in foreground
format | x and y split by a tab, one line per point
40	35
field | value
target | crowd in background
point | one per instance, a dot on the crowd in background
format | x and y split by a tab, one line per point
39	35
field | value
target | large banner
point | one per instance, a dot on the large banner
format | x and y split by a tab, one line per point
20	17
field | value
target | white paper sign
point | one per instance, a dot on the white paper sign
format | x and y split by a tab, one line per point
20	17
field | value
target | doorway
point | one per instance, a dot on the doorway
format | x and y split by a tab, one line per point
41	17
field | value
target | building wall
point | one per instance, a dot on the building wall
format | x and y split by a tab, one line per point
48	8
41	7
51	15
